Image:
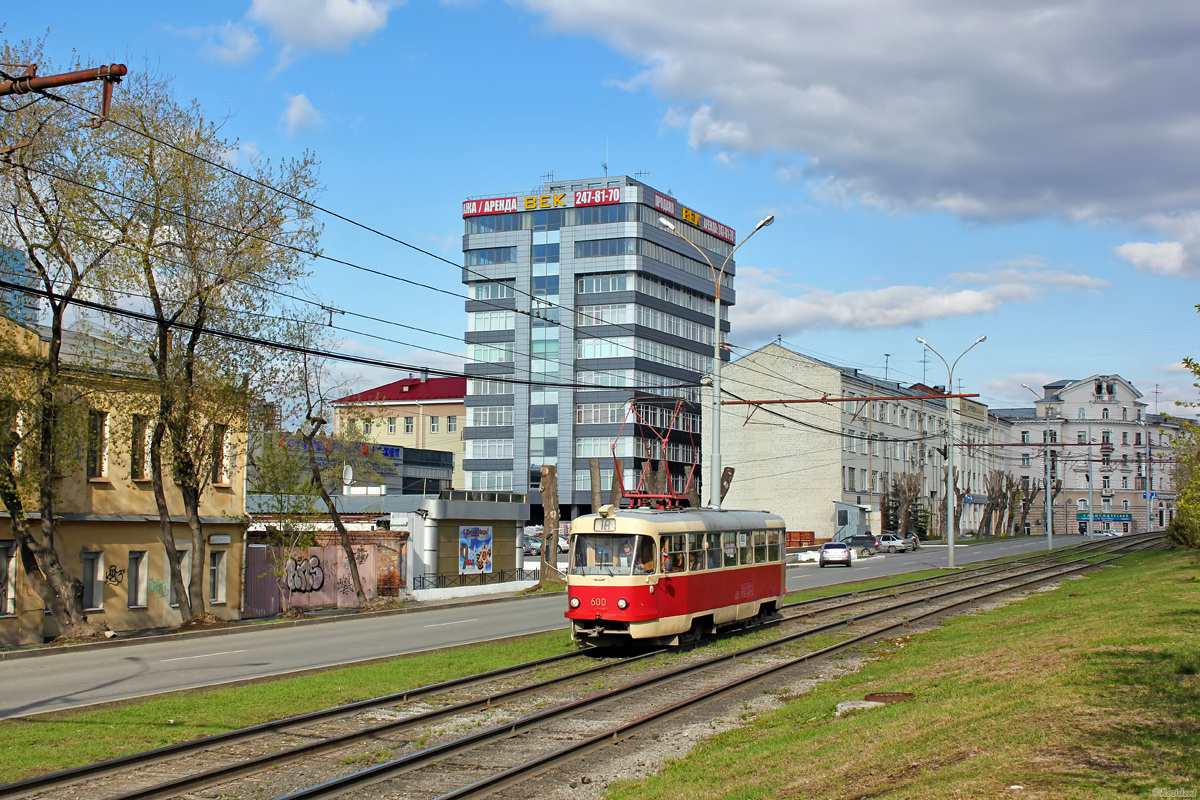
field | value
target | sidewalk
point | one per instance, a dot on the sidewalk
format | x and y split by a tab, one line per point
319	617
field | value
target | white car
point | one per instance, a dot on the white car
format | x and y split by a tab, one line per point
893	543
834	553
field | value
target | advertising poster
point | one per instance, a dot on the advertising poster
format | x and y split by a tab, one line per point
474	550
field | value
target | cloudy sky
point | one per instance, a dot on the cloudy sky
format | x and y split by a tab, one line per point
1026	170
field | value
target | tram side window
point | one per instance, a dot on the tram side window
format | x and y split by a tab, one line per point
714	551
674	552
730	540
745	547
696	555
760	547
773	545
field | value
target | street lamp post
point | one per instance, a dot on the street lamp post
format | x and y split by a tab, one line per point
1046	456
950	442
718	275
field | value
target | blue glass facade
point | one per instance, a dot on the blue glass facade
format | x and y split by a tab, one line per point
607	307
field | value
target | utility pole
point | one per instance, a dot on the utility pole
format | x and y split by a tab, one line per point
29	81
1091	511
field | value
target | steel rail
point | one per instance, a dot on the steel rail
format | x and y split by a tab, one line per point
236	769
521	772
960	575
389	769
274	726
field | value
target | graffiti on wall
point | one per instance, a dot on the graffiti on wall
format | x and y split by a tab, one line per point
114	576
305	575
156	588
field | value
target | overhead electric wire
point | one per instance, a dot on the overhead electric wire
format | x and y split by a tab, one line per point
299	349
364	226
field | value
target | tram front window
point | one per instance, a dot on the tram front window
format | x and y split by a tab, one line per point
612	554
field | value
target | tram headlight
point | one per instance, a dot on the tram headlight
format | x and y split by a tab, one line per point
622	604
574	602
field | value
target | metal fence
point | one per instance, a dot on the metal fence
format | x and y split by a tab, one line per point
480	579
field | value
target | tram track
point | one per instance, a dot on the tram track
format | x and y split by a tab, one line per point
308	743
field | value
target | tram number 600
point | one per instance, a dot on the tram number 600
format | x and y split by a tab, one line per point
599	601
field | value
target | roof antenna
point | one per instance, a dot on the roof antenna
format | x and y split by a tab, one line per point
604	163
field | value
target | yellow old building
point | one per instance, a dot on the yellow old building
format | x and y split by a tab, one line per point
108	533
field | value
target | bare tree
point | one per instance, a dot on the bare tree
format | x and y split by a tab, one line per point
906	494
994	486
49	213
1027	500
206	247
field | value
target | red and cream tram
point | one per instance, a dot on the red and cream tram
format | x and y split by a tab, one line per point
670	576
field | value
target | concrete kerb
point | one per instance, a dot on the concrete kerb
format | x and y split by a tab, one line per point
250	627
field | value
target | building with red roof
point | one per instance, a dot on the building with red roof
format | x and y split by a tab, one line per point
417	412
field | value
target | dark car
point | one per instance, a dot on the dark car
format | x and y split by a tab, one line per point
866	545
834	553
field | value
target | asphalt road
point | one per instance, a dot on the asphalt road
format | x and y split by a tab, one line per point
806	575
68	679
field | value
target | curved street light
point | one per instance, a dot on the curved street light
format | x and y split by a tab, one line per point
950	441
718	276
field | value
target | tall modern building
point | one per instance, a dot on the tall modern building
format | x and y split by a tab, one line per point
15	304
594	316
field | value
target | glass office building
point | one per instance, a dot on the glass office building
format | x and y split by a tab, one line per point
585	304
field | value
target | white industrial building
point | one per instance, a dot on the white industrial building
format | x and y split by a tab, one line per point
826	466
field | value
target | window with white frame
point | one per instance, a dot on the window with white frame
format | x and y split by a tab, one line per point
8	578
97	452
135	579
218	454
495	353
93	579
391	426
1026	460
491	320
600	413
583	479
601	446
216	577
435	424
490	481
484	386
139	448
408	424
451	424
489	448
489	416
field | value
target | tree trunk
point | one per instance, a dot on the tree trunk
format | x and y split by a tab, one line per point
166	530
548	488
309	434
594	469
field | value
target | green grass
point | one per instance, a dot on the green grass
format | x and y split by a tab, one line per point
1087	691
48	743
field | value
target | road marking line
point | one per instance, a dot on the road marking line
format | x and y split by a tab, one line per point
206	655
442	624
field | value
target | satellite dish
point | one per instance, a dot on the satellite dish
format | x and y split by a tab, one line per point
347	475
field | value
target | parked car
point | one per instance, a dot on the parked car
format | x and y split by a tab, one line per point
834	553
564	544
866	544
913	540
893	543
531	545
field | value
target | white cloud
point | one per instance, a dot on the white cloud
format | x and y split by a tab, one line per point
1010	390
1164	258
766	305
231	42
300	115
1080	110
244	153
320	24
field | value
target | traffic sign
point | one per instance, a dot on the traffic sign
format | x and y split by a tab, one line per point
1153	495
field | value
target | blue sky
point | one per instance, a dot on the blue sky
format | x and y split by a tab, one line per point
936	169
